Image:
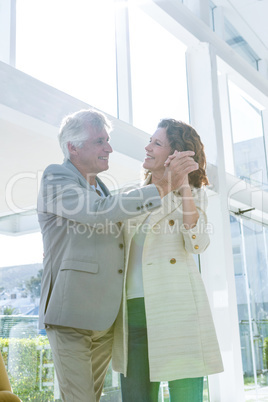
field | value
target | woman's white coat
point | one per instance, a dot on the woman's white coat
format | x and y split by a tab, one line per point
181	337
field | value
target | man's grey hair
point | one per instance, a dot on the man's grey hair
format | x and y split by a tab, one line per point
75	127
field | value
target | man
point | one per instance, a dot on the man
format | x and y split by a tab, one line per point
84	254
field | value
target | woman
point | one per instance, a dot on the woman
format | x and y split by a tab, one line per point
168	332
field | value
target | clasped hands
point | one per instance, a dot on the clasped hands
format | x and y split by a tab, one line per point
178	166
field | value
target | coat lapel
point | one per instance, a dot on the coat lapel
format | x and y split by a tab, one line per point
170	203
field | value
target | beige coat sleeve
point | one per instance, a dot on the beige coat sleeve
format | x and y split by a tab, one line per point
197	239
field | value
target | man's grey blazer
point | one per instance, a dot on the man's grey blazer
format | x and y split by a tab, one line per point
83	247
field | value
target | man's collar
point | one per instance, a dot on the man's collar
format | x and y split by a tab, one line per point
71	166
74	169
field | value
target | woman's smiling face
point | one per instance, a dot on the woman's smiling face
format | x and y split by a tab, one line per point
157	152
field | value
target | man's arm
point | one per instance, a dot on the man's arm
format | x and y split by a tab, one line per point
61	194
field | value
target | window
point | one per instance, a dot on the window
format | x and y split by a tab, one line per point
158	72
234	39
251	277
247	133
238	43
25	348
70	46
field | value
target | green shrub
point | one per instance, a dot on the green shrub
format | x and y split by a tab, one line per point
265	353
22	357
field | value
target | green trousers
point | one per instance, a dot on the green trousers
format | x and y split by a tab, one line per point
137	387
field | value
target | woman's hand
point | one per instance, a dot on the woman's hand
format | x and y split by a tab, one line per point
184	164
178	166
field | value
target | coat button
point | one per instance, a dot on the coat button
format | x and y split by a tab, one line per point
171	222
196	247
172	261
121	245
120	271
193	236
138	208
150	204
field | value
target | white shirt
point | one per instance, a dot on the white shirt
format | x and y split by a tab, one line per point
134	285
98	187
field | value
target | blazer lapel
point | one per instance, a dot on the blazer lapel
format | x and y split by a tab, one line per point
103	187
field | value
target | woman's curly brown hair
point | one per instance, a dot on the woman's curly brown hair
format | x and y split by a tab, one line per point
183	137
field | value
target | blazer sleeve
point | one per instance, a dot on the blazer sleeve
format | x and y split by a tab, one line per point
197	239
62	194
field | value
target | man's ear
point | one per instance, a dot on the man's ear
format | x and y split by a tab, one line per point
72	149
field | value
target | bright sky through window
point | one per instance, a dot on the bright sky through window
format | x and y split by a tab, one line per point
158	72
70	45
246	115
21	250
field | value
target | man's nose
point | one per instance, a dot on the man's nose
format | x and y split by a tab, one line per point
108	148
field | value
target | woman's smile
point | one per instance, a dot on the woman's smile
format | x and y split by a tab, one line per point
157	152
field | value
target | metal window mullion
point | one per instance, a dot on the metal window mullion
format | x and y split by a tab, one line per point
248	304
13	22
264	117
8	31
123	66
226	120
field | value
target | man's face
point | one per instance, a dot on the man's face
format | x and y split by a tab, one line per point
93	157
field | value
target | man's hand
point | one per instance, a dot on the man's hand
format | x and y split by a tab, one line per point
178	166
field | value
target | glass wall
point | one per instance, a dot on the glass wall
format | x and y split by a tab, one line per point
158	72
25	348
70	46
247	137
250	257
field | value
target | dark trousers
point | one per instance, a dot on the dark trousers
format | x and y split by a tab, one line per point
137	387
